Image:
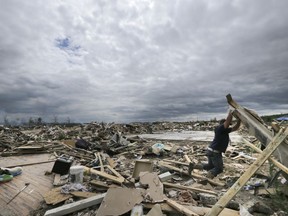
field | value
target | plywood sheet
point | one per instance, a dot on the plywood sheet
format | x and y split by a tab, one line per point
29	199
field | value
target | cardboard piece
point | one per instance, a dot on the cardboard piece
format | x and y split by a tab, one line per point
142	166
155	211
54	196
154	192
118	201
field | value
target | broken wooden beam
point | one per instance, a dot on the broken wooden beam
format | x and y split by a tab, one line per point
181	208
176	162
76	206
116	179
189	188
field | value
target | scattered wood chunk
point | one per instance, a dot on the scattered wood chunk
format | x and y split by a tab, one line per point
187	158
189	188
76	206
82	194
57	179
181	208
118	179
99	184
111	162
54	196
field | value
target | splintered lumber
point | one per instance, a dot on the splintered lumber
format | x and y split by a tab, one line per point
99	184
83	194
101	163
114	171
181	208
75	206
211	181
116	179
187	158
189	188
275	162
111	162
271	147
176	162
57	179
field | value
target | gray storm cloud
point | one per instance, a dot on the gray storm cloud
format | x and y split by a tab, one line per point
142	60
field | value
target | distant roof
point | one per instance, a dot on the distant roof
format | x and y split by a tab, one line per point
282	118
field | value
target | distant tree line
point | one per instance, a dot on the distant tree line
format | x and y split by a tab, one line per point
36	121
270	118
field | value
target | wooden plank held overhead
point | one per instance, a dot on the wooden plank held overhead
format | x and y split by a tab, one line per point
223	201
256	128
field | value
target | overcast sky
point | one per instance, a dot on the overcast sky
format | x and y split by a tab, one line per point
141	60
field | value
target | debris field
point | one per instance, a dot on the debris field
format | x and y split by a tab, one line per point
136	169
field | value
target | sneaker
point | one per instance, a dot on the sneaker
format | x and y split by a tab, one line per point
4	171
13	171
5	177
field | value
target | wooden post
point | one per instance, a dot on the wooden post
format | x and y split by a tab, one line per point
271	147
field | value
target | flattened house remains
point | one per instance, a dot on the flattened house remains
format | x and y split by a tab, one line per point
126	174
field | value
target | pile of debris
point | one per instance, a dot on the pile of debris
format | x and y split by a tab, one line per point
110	169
